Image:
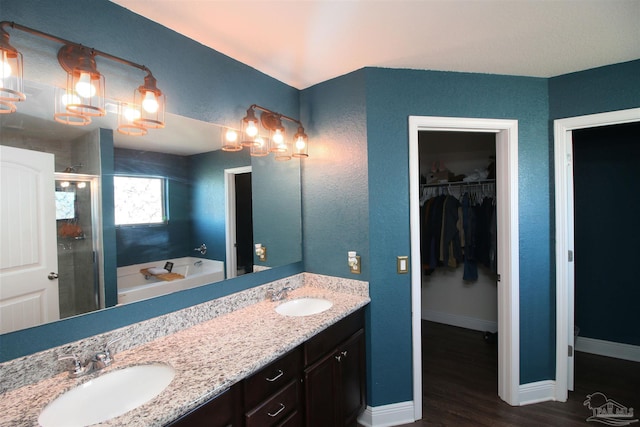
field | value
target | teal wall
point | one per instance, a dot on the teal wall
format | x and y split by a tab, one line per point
140	244
610	88
206	173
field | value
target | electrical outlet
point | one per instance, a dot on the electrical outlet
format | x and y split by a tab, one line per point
355	267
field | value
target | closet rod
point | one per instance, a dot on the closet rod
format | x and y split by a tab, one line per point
460	183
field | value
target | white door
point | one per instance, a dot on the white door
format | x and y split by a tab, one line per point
28	247
230	218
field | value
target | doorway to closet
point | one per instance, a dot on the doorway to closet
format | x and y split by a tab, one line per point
458	233
458	229
505	133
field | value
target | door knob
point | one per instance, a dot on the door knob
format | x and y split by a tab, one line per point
52	276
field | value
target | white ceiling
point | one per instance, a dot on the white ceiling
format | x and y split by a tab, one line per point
305	42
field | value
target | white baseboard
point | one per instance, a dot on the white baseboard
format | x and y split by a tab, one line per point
608	348
460	321
387	415
540	391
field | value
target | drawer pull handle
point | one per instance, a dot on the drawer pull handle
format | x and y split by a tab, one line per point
279	374
341	355
277	412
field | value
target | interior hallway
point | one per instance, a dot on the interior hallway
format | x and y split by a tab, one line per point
460	384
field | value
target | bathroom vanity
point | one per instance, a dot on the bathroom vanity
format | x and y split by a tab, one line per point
319	383
248	365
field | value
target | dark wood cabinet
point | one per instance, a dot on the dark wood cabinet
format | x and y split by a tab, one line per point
335	382
320	383
224	410
273	394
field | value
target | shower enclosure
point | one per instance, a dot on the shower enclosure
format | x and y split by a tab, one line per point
77	222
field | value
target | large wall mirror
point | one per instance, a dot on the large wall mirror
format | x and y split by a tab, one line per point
129	210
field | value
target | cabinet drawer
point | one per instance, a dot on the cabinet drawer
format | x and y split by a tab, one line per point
224	410
273	377
277	409
328	339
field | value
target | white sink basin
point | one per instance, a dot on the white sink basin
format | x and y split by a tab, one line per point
107	396
303	306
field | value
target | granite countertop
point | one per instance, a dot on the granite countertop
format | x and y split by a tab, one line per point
208	358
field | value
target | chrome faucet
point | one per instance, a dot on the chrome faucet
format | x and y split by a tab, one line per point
274	295
98	361
202	249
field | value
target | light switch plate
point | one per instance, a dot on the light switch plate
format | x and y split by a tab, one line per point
403	264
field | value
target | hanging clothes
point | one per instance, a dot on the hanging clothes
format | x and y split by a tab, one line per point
469	223
460	229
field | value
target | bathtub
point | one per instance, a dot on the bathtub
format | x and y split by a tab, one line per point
134	286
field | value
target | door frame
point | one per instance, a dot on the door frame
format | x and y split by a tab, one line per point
230	218
564	216
508	247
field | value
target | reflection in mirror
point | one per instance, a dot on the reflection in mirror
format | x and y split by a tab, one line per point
96	262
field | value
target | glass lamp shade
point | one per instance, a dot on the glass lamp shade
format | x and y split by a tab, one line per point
7	107
86	92
250	131
62	99
152	103
127	115
230	139
260	147
280	147
11	83
300	145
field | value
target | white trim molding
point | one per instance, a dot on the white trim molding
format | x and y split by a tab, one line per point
387	415
508	247
608	348
536	392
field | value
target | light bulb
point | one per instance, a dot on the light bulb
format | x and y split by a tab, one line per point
150	103
84	88
69	98
231	135
251	129
278	137
131	114
64	184
81	184
300	144
259	141
5	69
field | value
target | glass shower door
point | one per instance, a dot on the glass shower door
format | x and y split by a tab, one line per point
78	274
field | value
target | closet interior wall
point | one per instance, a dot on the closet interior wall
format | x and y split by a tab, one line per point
446	297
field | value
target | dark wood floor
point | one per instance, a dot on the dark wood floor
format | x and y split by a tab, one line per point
460	384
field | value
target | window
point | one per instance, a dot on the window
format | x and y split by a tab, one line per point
139	200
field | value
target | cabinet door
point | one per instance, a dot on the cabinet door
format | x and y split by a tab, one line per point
335	385
224	410
320	397
352	378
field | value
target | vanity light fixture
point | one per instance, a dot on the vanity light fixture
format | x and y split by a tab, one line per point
11	82
230	139
128	114
84	95
254	135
